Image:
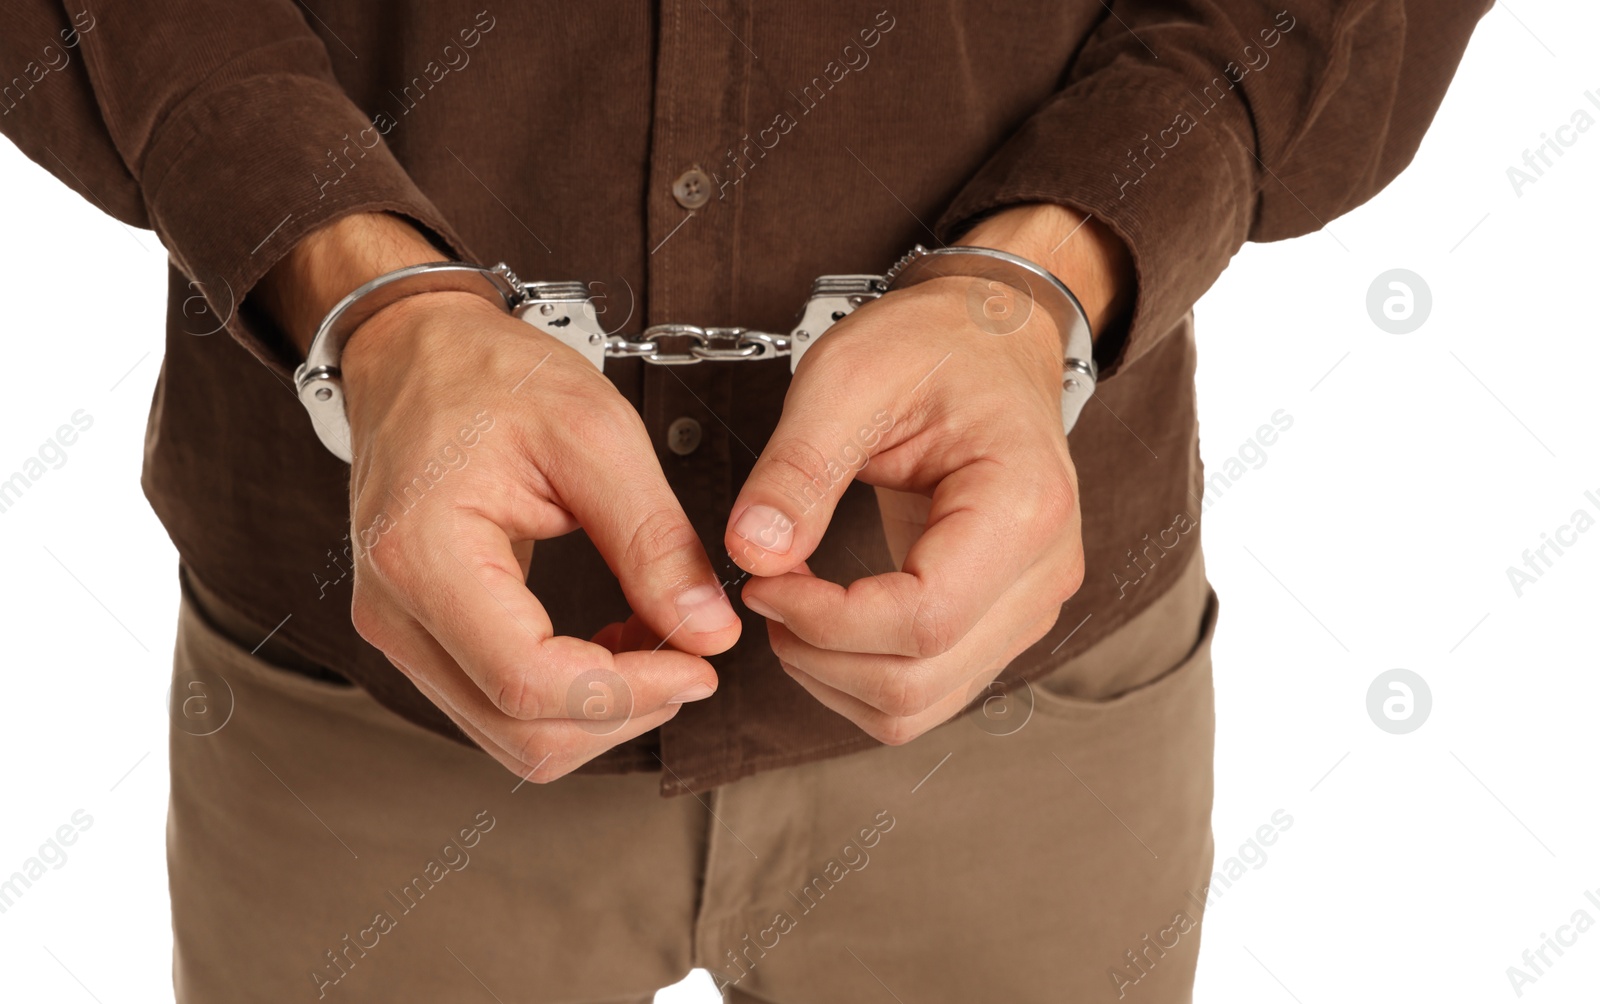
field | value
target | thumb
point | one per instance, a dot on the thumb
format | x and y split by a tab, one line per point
820	445
623	502
631	635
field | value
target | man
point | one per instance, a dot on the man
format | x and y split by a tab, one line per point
900	523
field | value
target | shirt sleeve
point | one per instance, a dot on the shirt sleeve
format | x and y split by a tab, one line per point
1188	127
220	126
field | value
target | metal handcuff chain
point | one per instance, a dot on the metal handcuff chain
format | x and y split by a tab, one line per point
566	312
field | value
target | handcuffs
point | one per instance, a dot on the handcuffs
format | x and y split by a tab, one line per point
566	312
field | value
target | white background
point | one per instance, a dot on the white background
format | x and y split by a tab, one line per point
1377	535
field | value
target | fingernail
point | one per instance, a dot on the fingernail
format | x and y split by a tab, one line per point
766	528
705	609
762	609
698	692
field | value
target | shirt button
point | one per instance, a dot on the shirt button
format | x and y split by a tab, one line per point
692	189
683	436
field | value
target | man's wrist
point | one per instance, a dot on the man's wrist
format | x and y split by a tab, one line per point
331	262
1078	249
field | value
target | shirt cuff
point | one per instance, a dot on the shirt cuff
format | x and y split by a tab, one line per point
235	180
1138	152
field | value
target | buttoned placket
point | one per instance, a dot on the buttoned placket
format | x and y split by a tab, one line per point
702	80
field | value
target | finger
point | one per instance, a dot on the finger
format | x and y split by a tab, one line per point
904	516
637	636
536	751
609	637
896	729
616	688
632	635
469	595
988	526
757	607
891	730
613	483
828	432
903	686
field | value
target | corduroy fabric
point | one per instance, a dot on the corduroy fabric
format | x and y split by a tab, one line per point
836	134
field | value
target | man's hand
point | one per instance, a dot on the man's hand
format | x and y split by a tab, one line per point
946	396
475	435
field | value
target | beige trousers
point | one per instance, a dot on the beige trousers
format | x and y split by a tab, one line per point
1052	846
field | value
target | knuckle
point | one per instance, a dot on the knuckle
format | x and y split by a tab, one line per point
1045	509
513	693
901	694
661	536
893	731
1046	624
367	619
1071	578
607	420
934	626
799	469
829	358
484	563
1057	501
819	633
386	561
783	644
549	771
934	632
543	759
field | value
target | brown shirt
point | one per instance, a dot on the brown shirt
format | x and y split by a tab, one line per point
831	136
